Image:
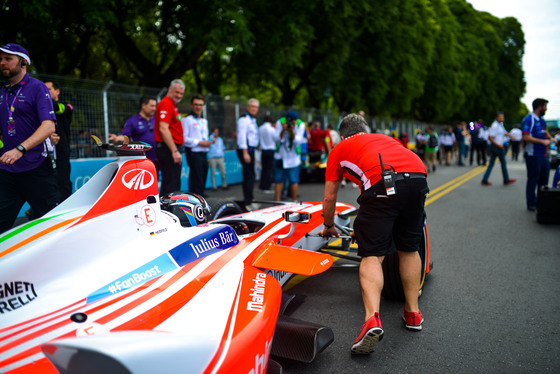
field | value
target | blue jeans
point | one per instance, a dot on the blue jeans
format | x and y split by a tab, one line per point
538	168
501	154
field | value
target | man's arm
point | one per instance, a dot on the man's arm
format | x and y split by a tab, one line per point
329	207
168	140
43	132
530	139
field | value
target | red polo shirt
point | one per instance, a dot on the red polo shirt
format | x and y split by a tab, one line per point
357	158
167	112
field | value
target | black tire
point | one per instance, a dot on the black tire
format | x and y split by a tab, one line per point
392	287
220	208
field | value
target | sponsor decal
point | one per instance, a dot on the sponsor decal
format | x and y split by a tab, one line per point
261	360
15	295
212	241
256	296
137	179
277	274
152	269
148	215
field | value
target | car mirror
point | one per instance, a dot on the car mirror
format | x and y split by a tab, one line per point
296	217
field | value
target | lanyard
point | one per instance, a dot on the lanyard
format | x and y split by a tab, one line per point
11	108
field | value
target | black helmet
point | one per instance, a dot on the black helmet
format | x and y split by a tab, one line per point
190	208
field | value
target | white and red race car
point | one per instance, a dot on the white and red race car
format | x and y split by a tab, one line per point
118	280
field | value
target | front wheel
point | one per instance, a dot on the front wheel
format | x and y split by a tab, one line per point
392	288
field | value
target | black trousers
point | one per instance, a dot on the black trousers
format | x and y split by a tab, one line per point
38	187
267	172
63	178
248	175
198	164
170	171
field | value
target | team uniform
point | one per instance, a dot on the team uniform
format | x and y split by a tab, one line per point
268	147
538	166
382	218
23	107
139	129
170	171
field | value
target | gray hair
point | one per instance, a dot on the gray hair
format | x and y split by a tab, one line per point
352	124
252	101
178	82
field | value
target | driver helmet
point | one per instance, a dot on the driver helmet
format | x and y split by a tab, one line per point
190	208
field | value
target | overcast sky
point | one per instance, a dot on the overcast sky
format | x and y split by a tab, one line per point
540	20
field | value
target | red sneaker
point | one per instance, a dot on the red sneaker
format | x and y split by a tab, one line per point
370	334
413	320
486	183
510	181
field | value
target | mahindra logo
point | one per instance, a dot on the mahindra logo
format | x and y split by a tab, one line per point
138	179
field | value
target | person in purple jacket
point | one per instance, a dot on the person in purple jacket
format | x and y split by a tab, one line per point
140	127
27	119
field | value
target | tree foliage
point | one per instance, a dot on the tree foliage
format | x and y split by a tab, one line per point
433	60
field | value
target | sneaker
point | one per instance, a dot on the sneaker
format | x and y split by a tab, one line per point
510	181
370	334
412	320
486	183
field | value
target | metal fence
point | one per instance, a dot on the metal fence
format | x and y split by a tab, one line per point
101	108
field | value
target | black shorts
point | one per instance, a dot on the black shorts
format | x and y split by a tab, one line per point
383	219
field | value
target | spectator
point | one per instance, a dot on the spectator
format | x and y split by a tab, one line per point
460	132
197	144
474	132
397	218
420	147
247	142
447	140
430	153
317	142
169	137
61	140
483	144
216	158
536	142
27	120
140	127
516	135
267	133
335	137
289	135
497	137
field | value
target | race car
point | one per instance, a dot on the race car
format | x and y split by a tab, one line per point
117	279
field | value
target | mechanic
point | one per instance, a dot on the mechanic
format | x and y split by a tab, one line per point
247	142
197	144
391	209
169	137
61	140
536	142
140	127
27	119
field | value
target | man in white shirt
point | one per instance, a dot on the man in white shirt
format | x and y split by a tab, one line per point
289	136
267	133
497	137
516	135
197	144
247	142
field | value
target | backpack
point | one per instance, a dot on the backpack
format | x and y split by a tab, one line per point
432	141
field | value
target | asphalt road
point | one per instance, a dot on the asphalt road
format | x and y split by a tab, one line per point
490	303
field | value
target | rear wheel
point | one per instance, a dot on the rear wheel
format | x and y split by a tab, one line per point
220	208
392	288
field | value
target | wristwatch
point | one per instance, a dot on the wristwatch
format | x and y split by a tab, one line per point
21	148
328	226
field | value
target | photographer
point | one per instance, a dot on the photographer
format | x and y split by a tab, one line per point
289	136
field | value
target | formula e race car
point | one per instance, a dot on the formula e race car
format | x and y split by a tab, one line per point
117	279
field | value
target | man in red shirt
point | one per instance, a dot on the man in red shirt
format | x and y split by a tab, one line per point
318	142
388	212
169	137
